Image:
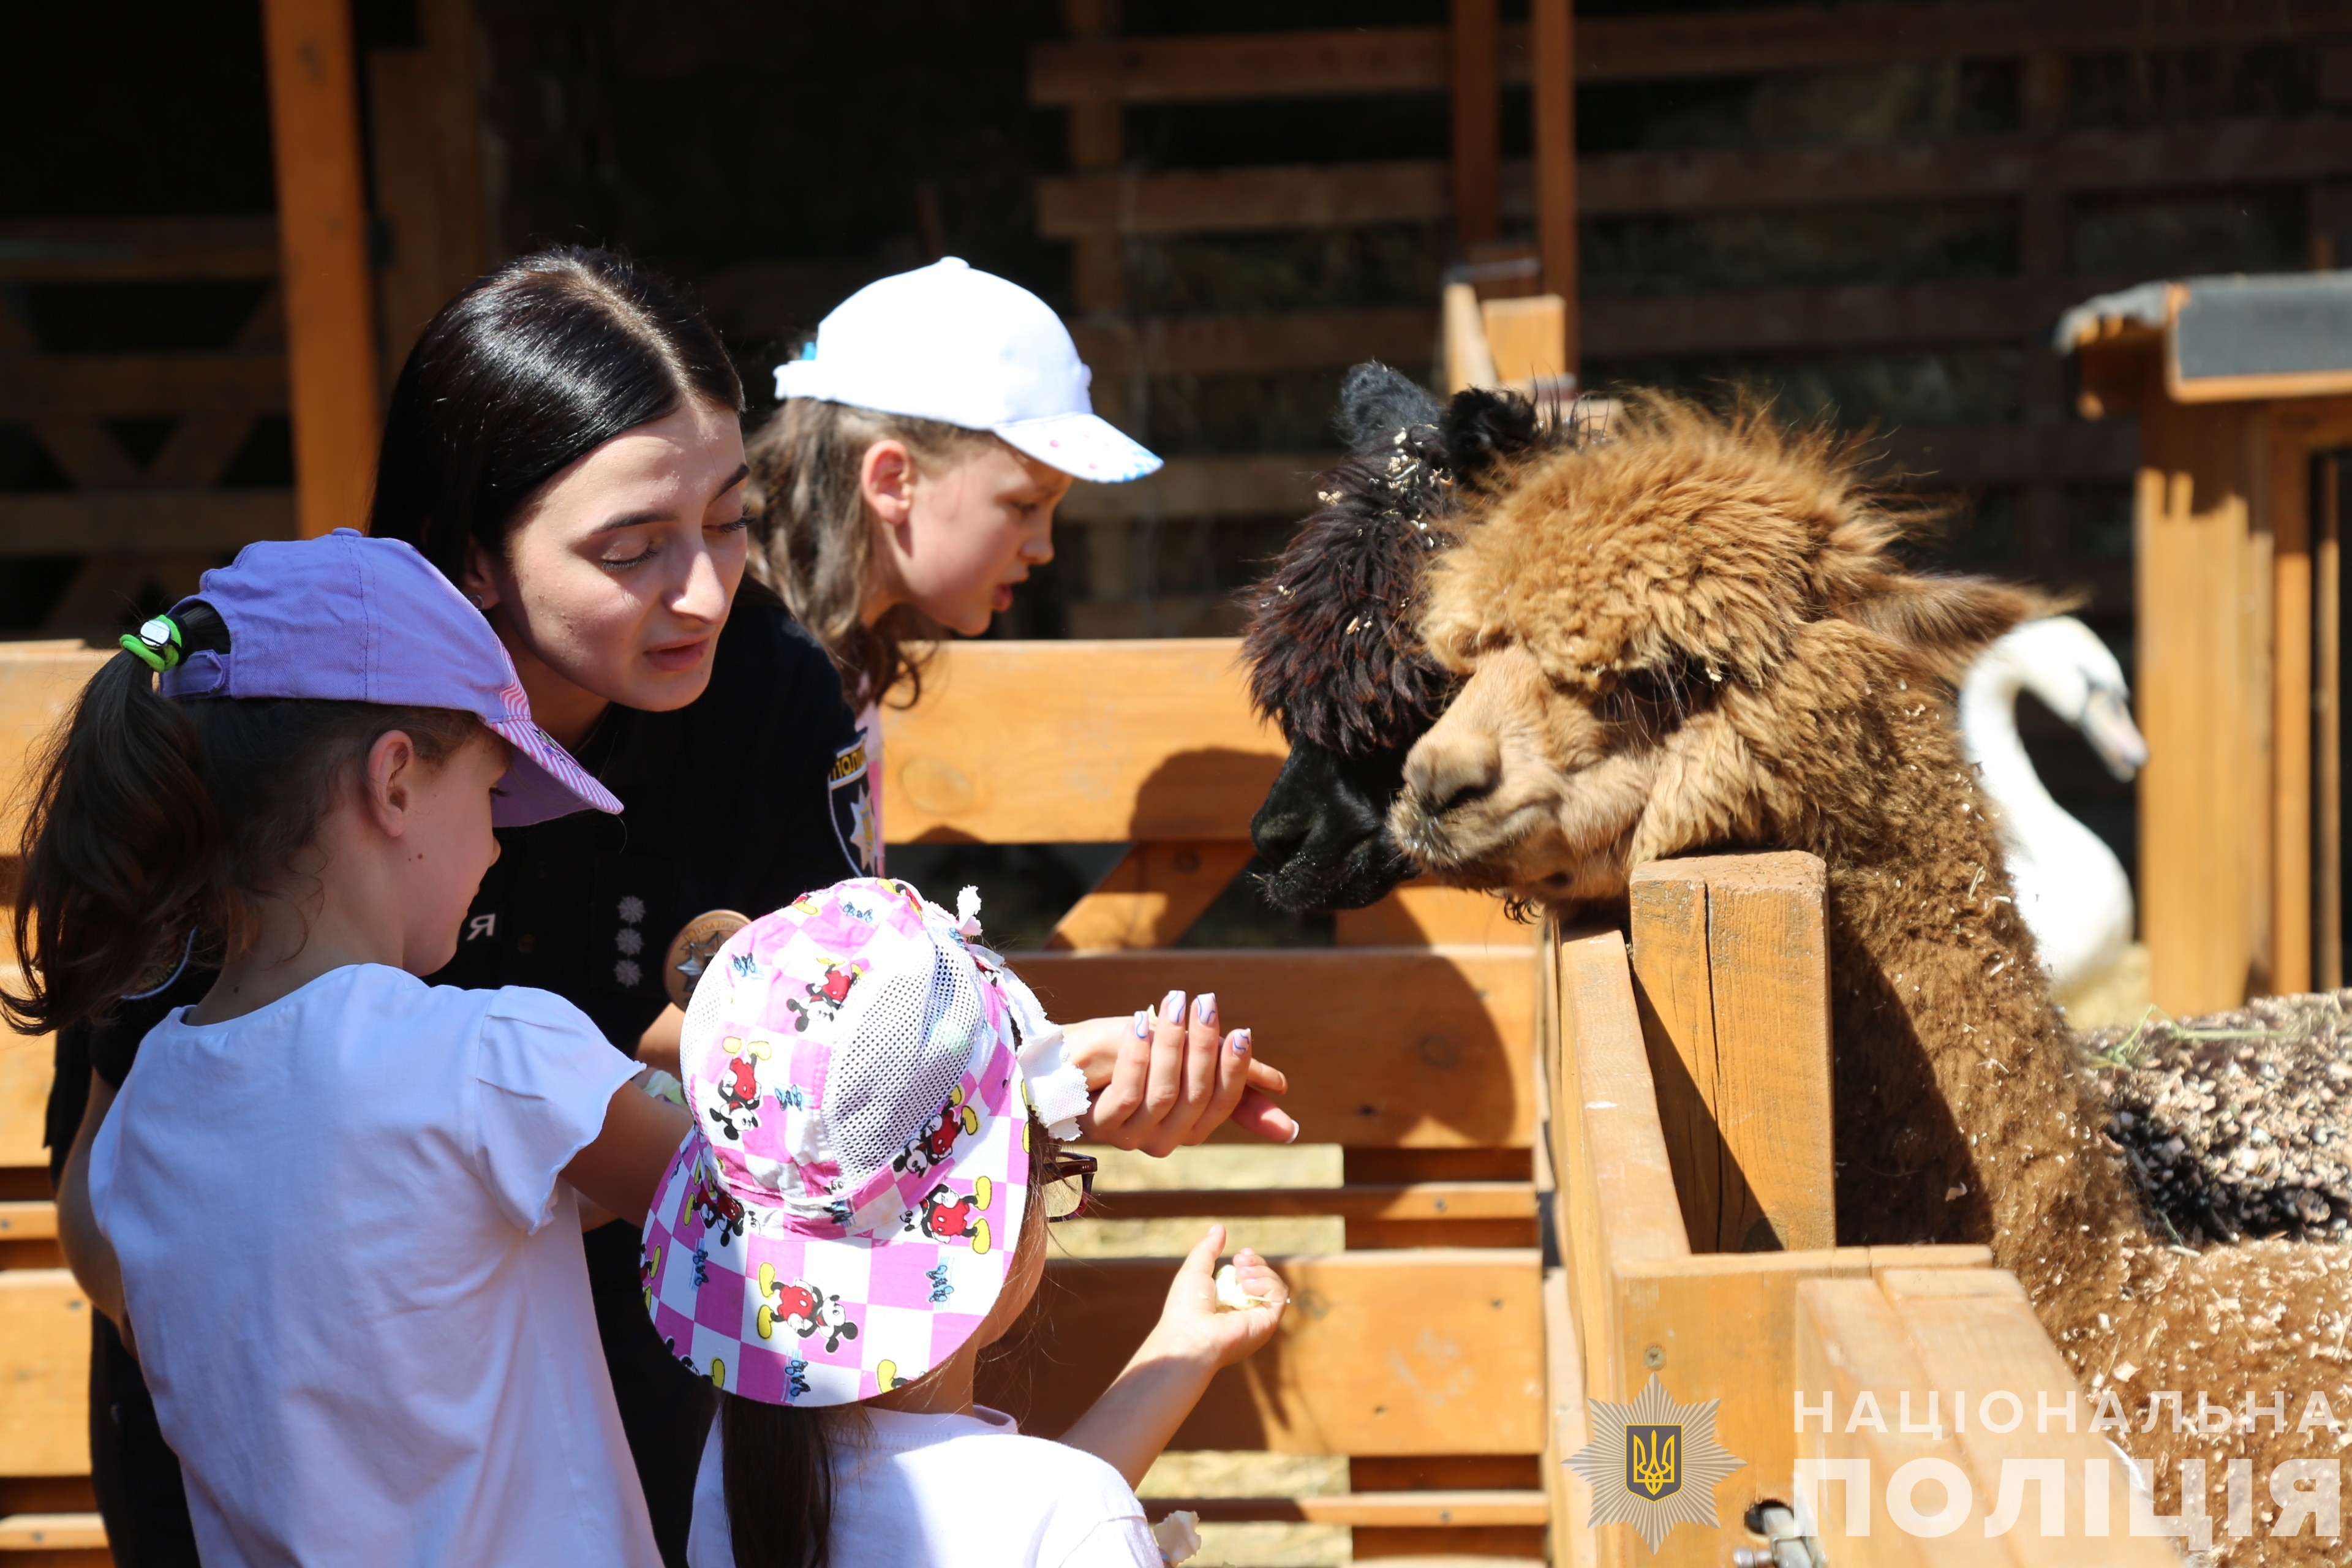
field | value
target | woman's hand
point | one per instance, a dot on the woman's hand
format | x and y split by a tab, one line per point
1162	1081
1140	1411
1193	1328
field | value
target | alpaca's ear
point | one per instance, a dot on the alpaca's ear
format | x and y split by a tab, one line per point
1946	621
1480	428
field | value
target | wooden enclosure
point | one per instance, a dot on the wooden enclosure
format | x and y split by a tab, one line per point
1568	1164
2239	506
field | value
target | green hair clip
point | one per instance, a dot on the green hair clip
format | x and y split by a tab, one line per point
157	643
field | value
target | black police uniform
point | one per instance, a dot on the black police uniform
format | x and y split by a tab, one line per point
749	797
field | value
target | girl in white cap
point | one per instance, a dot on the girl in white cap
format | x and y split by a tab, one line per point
909	481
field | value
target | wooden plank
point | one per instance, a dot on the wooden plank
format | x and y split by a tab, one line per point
1426	914
1551	60
1618	185
1390	1509
1732	967
2328	737
1854	316
1385	1201
1989	1340
1255	342
2196	894
29	1219
1115	742
1413	1048
1469	361
1473	50
52	1532
1851	1340
2287	501
1438	1352
1266	484
27	1066
1567	1427
426	141
1652	48
1528	337
127	251
38	686
112	386
45	1366
169	522
1151	898
323	232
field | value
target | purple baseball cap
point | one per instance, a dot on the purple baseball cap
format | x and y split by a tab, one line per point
347	619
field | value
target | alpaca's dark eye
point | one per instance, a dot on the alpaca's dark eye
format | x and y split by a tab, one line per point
1656	700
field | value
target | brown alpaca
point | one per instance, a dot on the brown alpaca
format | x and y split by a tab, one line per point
1696	638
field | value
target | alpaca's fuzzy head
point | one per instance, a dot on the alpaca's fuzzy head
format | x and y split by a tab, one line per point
1332	645
1663	641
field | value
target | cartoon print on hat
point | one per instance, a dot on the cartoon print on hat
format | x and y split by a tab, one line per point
842	1217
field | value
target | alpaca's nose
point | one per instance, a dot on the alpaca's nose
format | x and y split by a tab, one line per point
1452	773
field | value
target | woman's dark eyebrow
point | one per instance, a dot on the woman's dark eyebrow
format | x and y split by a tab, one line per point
633	519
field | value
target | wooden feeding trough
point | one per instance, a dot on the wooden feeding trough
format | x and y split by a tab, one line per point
1570	1164
2244	391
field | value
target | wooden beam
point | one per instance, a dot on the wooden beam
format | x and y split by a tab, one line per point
1552	59
137	250
140	521
2287	501
1385	1048
129	385
322	231
1195	70
1256	342
1115	742
45	1366
1151	898
1474	47
1382	1201
1456	1336
425	130
62	1538
1613	184
1098	141
1259	485
1731	970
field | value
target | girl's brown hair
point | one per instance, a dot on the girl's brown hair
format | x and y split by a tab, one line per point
155	823
778	1463
813	539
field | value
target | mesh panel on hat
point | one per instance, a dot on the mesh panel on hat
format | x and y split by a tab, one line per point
910	1048
703	1006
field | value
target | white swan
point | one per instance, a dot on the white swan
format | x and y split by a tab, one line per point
2071	889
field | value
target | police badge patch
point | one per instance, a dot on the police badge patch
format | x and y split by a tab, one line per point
1653	1464
851	799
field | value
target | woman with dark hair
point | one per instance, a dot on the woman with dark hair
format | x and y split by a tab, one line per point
564	444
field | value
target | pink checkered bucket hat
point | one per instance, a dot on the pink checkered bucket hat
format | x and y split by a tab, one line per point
861	1073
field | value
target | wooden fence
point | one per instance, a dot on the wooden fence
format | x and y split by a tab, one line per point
1555	1150
2045	169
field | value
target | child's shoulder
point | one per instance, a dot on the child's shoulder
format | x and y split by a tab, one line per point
1079	1484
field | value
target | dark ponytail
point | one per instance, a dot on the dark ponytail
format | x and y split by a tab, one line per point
157	823
528	371
778	1459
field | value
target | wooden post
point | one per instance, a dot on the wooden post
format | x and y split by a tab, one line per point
2289	487
2193	556
2327	726
1477	124
1731	970
322	235
426	141
1554	65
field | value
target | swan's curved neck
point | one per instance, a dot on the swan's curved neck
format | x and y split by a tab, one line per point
1988	735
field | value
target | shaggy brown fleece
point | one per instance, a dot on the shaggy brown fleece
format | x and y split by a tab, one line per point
1696	638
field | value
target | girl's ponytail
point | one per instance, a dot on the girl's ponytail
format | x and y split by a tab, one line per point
119	850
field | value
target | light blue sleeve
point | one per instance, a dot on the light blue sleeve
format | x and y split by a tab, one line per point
544	1075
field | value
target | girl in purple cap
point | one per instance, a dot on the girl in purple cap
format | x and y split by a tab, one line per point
337	1210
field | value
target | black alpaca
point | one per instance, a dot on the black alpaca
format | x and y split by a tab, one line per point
1330	644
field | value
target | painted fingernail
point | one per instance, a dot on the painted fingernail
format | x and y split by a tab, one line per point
1295	1130
1204	1009
1171	1007
1240	1042
1143	1022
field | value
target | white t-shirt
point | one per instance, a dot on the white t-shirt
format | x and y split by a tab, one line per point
356	1277
953	1491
